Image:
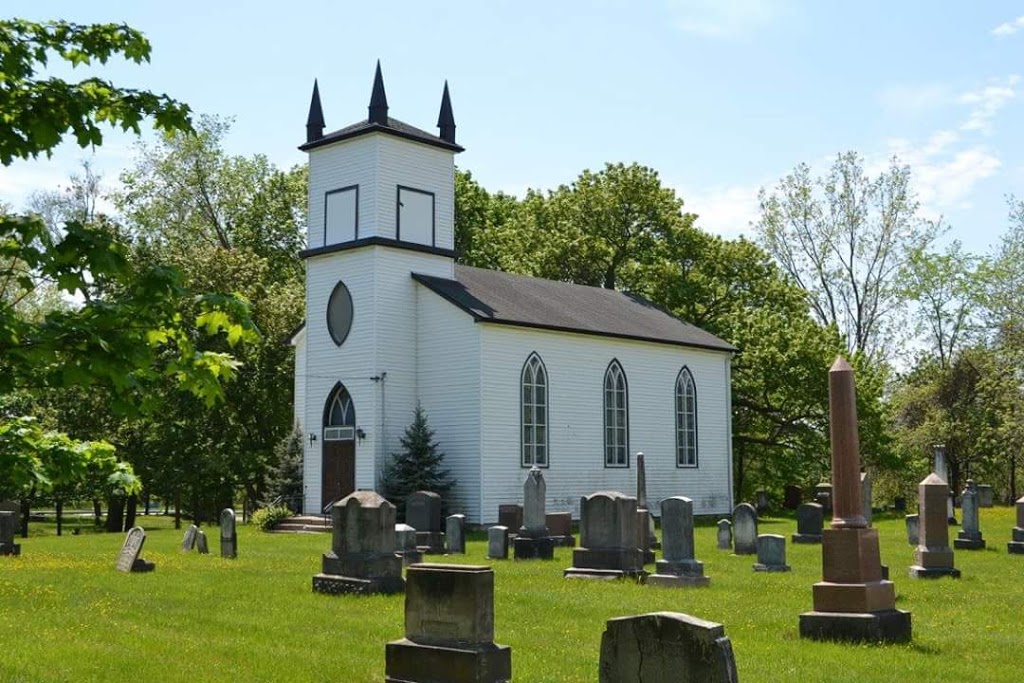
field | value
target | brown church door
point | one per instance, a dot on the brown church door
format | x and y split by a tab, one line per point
339	470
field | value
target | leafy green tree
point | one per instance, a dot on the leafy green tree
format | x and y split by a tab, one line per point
417	467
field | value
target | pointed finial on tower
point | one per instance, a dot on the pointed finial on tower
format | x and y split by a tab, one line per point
446	120
315	121
378	100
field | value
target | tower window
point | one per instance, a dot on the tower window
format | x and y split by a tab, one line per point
414	220
341	215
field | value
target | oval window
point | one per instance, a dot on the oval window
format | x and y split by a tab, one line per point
339	313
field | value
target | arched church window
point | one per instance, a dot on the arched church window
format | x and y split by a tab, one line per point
616	417
534	413
340	417
686	420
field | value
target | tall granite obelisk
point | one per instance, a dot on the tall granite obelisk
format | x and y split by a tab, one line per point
852	602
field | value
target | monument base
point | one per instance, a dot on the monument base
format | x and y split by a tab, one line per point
772	567
677	581
968	543
647	556
410	557
430	542
331	584
1015	548
524	548
141	566
919	572
887	626
563	541
638	575
409	662
10	549
806	538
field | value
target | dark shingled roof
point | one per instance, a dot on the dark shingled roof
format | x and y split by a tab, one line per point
496	297
394	127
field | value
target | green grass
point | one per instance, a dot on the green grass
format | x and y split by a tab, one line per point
67	615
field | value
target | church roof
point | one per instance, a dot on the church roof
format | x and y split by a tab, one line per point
496	297
393	127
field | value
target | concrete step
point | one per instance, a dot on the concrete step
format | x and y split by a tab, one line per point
304	524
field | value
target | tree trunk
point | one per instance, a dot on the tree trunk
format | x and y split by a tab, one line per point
60	517
97	511
115	513
738	473
26	508
129	518
177	510
1013	479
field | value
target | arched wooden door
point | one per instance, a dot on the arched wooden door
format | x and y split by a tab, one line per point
338	468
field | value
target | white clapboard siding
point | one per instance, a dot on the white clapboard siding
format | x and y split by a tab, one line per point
332	167
576	365
420	167
299	387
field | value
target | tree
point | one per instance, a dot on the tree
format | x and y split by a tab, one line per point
418	467
846	240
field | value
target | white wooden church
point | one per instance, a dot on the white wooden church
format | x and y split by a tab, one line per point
512	371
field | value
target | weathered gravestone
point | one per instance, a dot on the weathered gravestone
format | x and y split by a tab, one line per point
423	513
560	529
792	496
865	492
969	537
533	541
405	542
201	545
823	496
497	543
724	534
455	534
899	504
986	496
189	541
744	529
8	526
913	529
510	517
763	504
228	534
15	507
933	555
609	544
648	539
1016	546
771	554
665	647
449	629
362	559
810	520
128	560
678	568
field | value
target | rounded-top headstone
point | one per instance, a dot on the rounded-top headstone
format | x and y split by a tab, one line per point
744	529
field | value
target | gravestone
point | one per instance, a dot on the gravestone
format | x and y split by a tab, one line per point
792	496
8	528
865	492
128	560
1016	546
810	520
744	529
228	535
423	513
511	517
970	537
608	539
763	504
724	534
852	602
986	496
497	543
449	629
648	539
771	554
823	496
201	545
15	507
665	647
455	532
533	541
405	544
362	559
899	504
560	529
913	529
677	568
933	555
189	541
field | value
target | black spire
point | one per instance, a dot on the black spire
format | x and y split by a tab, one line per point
445	119
378	100
315	121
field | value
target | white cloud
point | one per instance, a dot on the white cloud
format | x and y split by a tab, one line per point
724	210
914	100
987	101
1008	28
722	18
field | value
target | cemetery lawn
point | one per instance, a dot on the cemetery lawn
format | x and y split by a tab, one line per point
66	615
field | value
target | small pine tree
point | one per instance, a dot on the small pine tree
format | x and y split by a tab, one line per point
417	467
285	478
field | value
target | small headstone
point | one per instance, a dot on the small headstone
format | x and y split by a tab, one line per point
449	628
405	542
8	528
899	504
763	504
1016	546
128	560
560	529
189	542
865	492
15	507
744	529
823	496
665	647
201	545
511	517
228	535
497	543
423	513
609	543
678	568
970	537
933	555
771	554
455	530
533	541
362	559
792	497
810	520
724	534
986	496
912	529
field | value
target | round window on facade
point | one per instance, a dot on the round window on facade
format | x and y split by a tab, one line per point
339	313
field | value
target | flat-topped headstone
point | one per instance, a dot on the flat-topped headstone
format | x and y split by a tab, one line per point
744	529
724	534
1016	546
455	534
792	496
14	507
899	504
609	542
665	647
129	559
560	529
8	529
913	529
933	556
449	628
497	543
678	568
202	545
362	559
986	496
771	554
228	534
533	541
810	520
189	541
423	513
405	544
511	517
969	537
823	496
865	492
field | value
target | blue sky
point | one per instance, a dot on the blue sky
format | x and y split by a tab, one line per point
721	97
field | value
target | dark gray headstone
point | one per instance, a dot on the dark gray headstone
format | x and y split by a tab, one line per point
986	496
511	517
913	523
228	535
362	559
201	544
771	554
810	520
423	511
792	497
969	537
15	507
497	543
724	534
678	567
8	528
405	544
744	529
455	533
189	541
763	504
665	647
609	539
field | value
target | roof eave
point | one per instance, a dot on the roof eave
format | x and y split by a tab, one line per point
332	138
